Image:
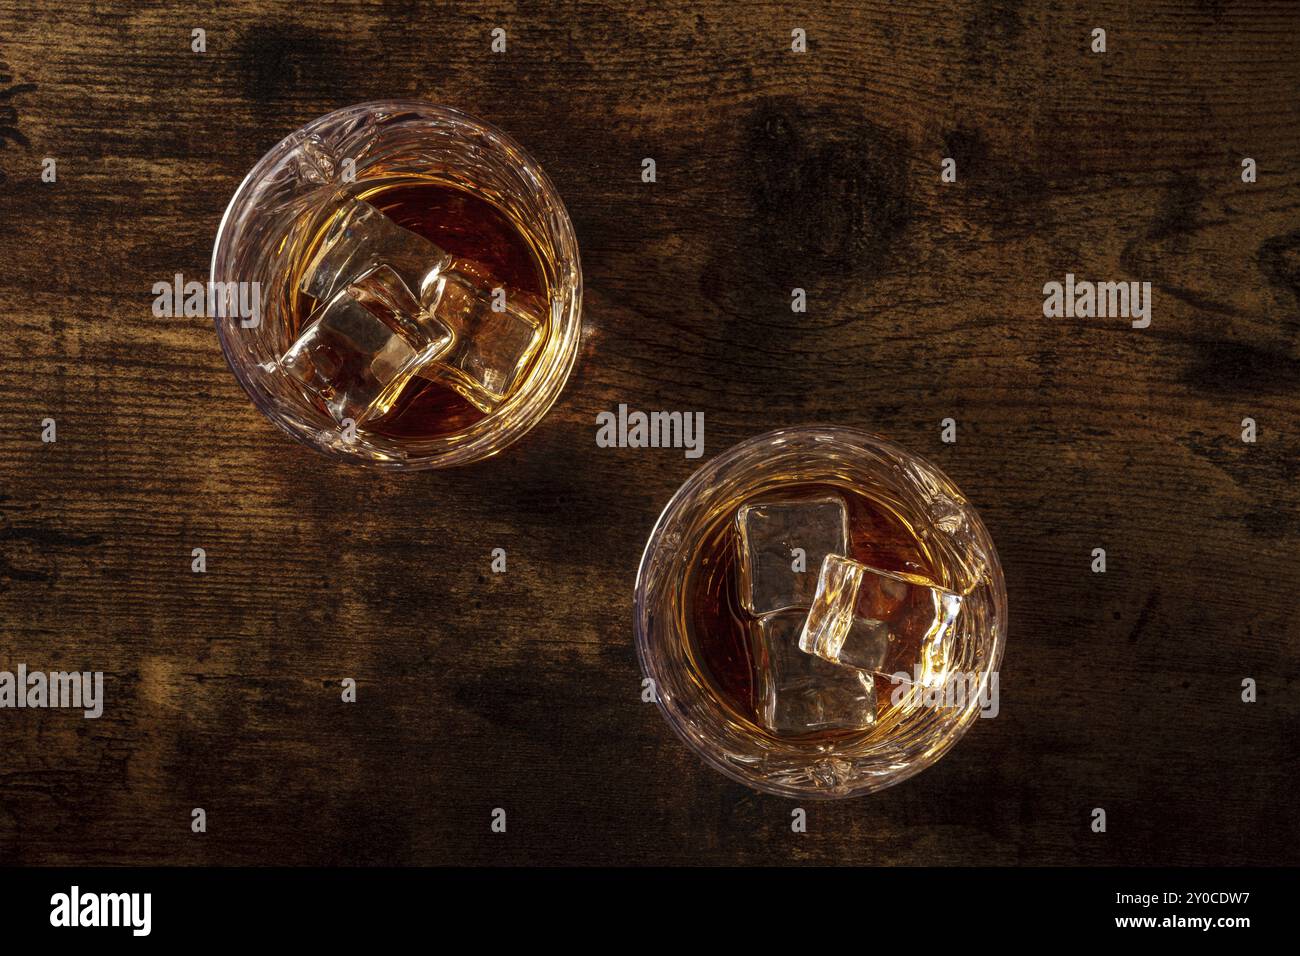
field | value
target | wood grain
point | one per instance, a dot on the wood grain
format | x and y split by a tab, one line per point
775	170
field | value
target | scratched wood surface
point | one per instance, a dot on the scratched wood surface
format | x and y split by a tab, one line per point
775	170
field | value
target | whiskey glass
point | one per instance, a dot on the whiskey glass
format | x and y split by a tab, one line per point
710	659
456	182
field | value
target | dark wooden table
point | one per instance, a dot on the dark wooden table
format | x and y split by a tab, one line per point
775	170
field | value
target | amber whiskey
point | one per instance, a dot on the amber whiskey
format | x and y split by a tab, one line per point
721	630
497	251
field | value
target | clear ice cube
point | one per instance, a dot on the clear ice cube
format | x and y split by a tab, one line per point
361	347
799	693
774	576
881	621
492	347
359	238
494	336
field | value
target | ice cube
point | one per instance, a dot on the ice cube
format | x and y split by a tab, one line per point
782	544
881	621
363	345
493	345
799	693
359	238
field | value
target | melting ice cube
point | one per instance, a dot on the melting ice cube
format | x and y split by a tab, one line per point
782	544
799	693
496	336
495	331
359	238
881	621
362	346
